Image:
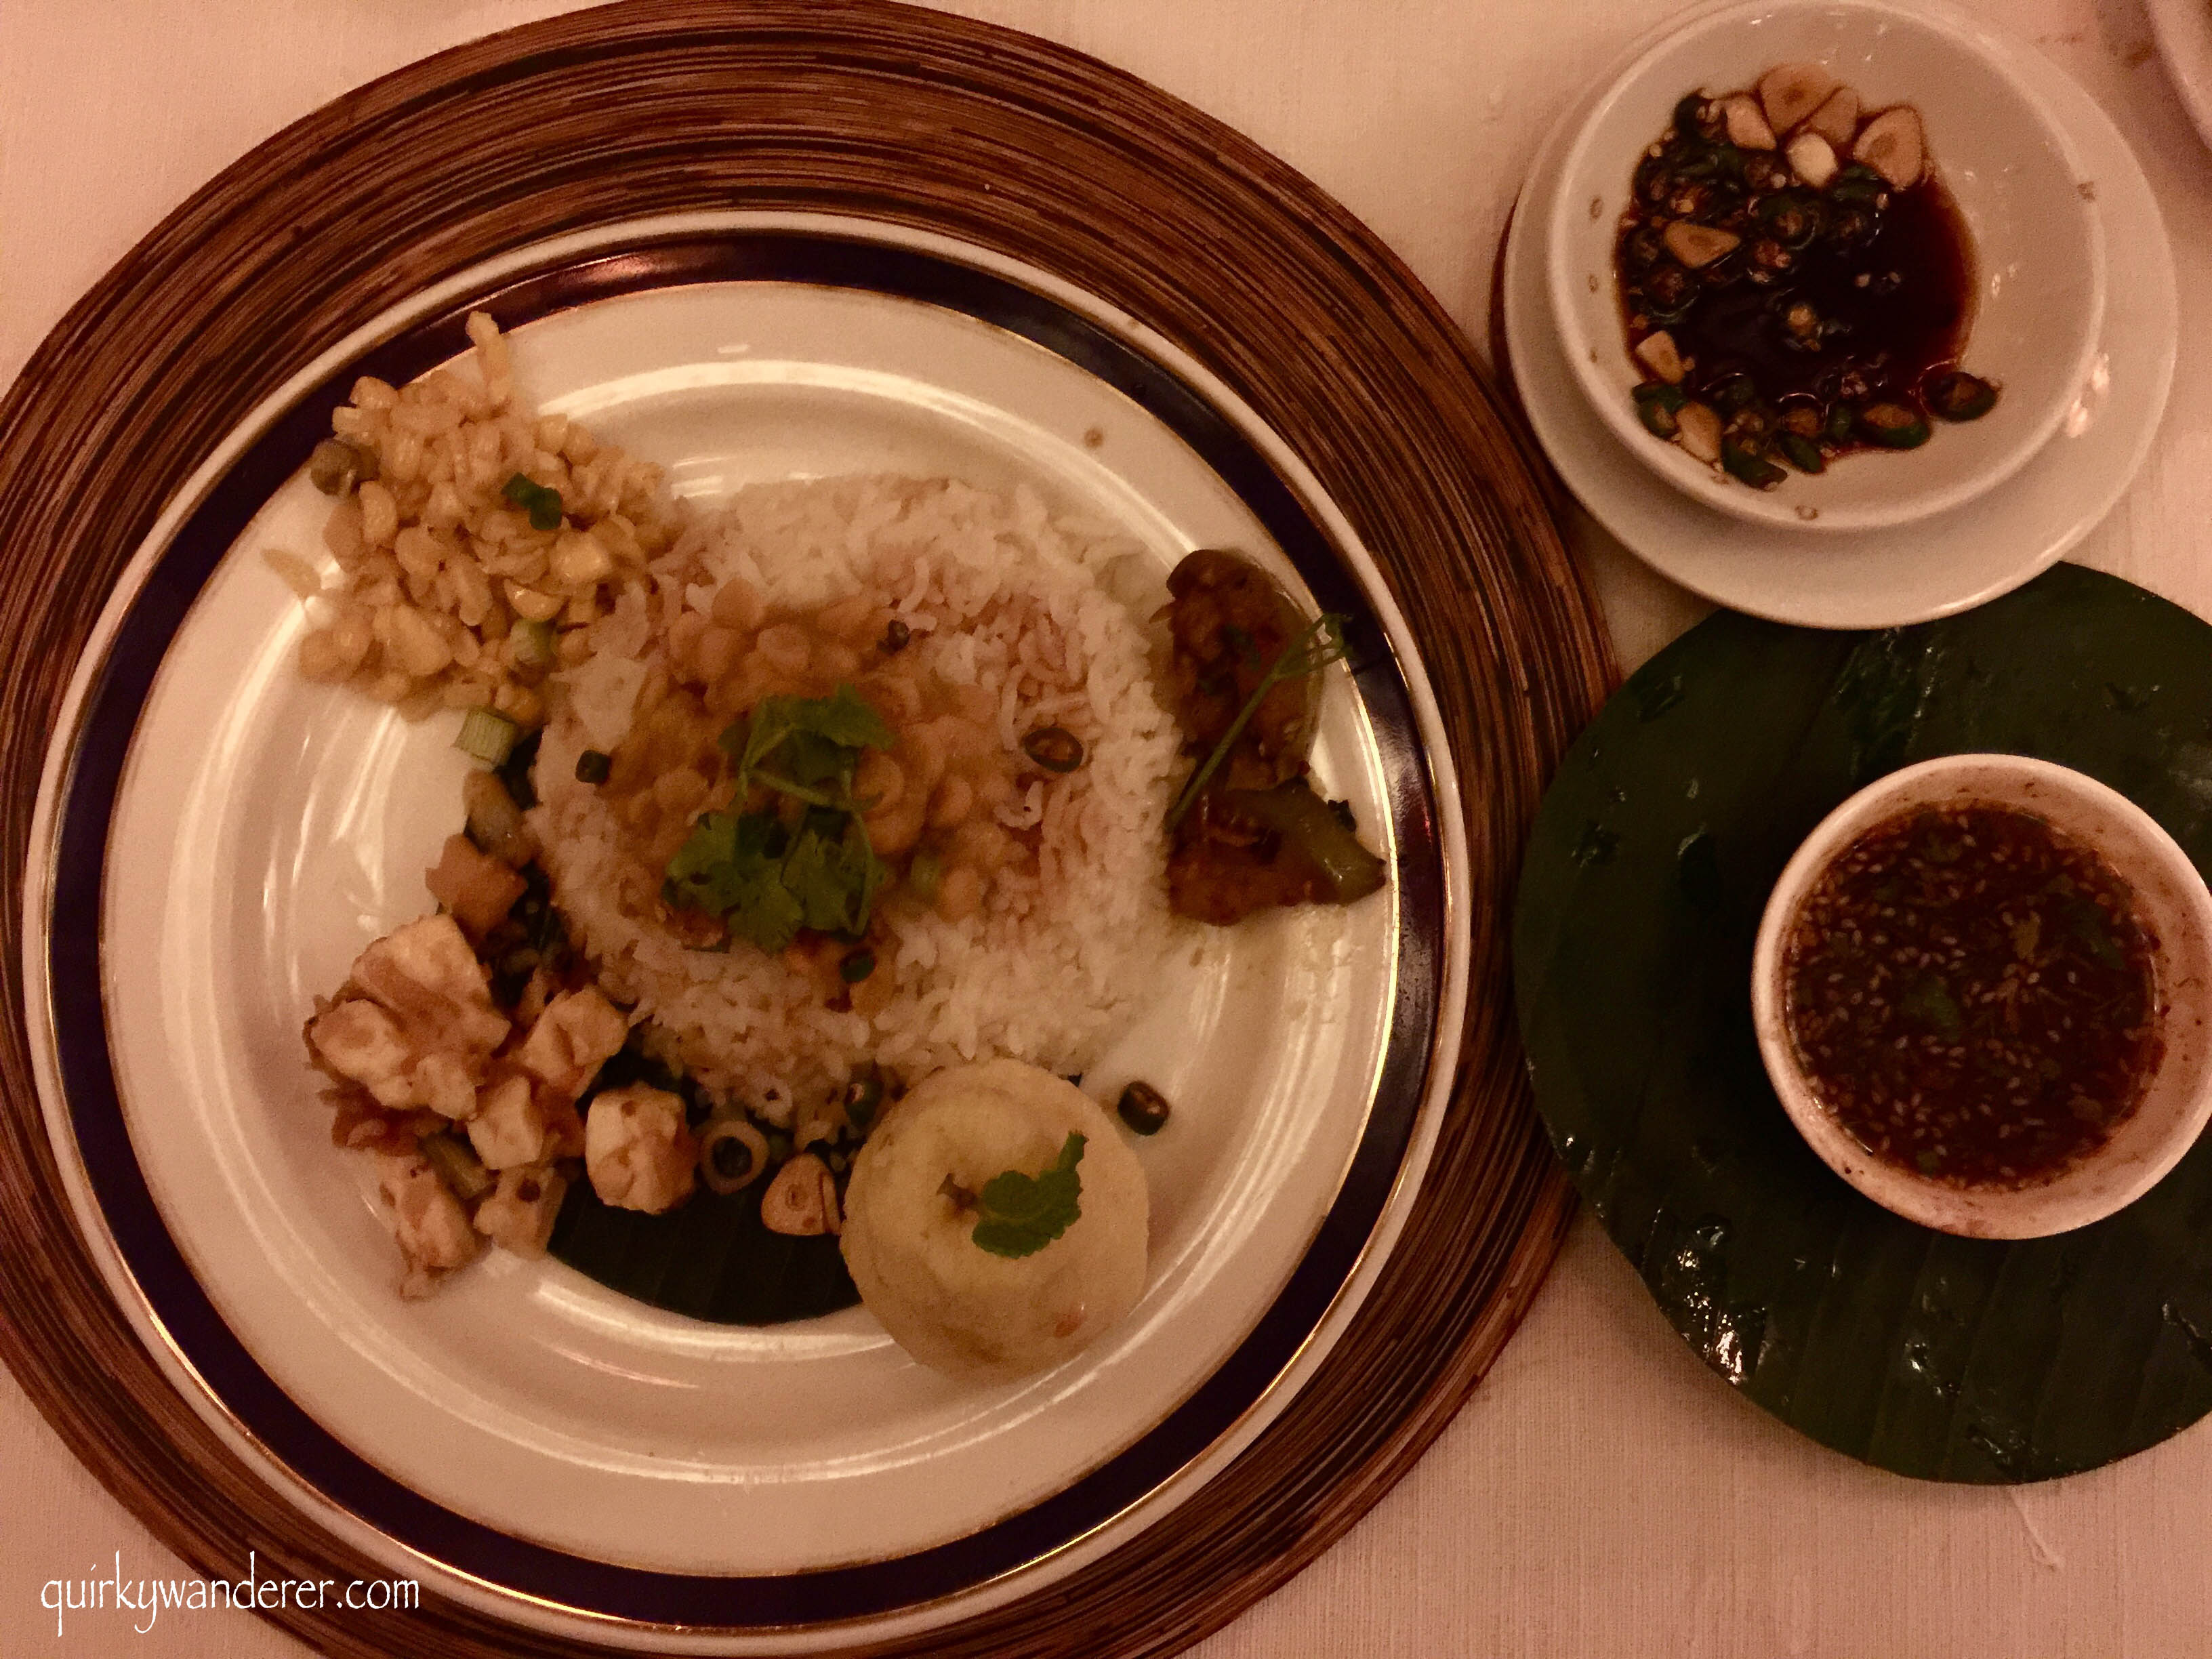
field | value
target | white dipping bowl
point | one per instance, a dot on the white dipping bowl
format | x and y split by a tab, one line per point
2039	245
2170	898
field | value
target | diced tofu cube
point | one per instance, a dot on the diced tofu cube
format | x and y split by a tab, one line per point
638	1150
509	1129
441	1082
359	1039
428	975
519	1215
432	1228
578	1032
475	886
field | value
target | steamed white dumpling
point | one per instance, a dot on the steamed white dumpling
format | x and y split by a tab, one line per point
908	1239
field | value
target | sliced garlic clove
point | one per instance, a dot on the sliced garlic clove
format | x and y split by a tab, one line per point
1659	353
1812	159
1746	127
1894	146
1790	92
1838	119
801	1202
1698	431
1698	246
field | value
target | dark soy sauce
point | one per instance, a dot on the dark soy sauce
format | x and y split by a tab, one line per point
1896	307
1799	324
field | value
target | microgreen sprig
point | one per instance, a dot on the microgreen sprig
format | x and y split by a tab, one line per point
1319	643
1017	1214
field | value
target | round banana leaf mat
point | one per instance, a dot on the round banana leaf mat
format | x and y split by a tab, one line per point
1945	1358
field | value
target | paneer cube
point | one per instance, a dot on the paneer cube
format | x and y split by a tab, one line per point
519	1215
578	1032
442	1081
509	1129
359	1039
638	1150
426	974
433	1229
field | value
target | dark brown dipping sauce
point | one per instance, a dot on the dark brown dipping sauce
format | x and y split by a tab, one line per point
1780	324
1891	309
1971	995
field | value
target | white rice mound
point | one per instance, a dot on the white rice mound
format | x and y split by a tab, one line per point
998	593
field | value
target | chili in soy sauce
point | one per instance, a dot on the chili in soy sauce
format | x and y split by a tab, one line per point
1787	300
1971	995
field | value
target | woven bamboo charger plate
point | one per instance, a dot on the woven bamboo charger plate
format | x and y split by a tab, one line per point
1016	147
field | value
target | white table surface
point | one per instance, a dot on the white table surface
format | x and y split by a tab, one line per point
1603	1495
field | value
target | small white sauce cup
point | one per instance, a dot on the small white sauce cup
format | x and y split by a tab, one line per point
2028	202
2169	897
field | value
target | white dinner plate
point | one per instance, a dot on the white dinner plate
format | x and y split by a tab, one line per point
1934	567
530	1439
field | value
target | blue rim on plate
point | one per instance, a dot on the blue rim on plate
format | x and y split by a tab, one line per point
100	745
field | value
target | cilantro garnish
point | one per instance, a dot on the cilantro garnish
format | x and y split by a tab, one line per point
733	867
1319	643
765	879
807	741
543	504
835	881
1017	1215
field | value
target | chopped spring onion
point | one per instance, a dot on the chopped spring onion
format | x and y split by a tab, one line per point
543	504
533	645
592	766
489	735
733	1155
1054	748
1319	643
458	1166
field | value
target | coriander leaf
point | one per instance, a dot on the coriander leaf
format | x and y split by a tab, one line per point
1928	1000
1018	1215
797	791
733	867
2086	922
808	741
833	878
827	875
808	758
713	841
846	718
754	738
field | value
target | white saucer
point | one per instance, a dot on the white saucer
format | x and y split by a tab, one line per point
2184	28
1888	577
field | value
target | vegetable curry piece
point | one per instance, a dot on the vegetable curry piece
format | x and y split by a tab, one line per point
1248	832
1971	995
